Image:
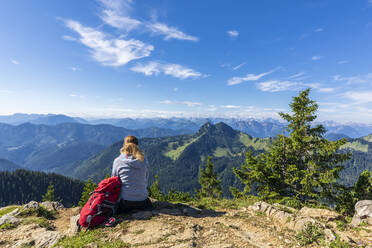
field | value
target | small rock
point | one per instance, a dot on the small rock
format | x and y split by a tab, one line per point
52	205
142	215
7	218
344	237
287	241
31	204
91	245
47	239
74	225
300	224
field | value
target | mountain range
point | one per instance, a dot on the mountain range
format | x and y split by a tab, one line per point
254	127
45	147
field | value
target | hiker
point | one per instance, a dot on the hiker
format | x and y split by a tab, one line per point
132	169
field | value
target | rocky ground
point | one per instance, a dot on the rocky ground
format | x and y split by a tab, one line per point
178	225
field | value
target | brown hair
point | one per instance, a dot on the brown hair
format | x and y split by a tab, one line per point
130	147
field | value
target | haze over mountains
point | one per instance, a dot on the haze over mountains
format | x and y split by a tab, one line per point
254	127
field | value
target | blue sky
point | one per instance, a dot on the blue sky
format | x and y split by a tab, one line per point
110	58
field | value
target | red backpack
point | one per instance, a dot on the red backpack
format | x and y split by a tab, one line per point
102	203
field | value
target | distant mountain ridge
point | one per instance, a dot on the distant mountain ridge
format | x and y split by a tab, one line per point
6	165
45	147
260	128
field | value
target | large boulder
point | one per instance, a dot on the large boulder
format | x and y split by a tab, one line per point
31	204
363	211
319	214
9	219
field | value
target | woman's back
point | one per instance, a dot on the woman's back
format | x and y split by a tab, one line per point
133	175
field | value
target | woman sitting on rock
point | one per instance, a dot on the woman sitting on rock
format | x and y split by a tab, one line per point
132	169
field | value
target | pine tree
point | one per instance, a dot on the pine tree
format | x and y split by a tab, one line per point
88	188
154	190
49	195
302	166
210	185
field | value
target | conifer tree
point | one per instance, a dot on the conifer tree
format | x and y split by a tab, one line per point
210	185
88	188
302	166
154	190
49	195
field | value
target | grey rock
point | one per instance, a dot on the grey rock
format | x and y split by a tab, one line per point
31	204
47	239
74	225
142	215
52	205
320	214
7	218
363	210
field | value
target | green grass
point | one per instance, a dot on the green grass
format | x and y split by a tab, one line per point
313	233
90	236
7	226
255	143
8	210
41	221
174	154
221	152
39	212
356	146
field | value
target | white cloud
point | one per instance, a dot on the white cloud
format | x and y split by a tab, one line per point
188	103
73	68
73	95
360	79
297	75
174	70
238	66
109	52
359	97
233	33
325	89
319	30
316	57
276	85
116	14
68	37
342	62
249	77
370	2
231	106
175	89
13	61
158	28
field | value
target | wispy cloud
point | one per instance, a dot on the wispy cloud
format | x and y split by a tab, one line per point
15	62
359	79
158	28
342	62
238	66
370	3
109	52
249	77
233	33
117	14
317	57
318	30
276	85
359	97
231	106
73	68
68	37
188	103
297	75
174	70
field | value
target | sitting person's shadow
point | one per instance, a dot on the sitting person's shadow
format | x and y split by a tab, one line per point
167	208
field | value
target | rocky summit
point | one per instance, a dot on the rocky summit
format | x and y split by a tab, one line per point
49	224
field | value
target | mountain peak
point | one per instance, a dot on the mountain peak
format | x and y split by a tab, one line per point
220	128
